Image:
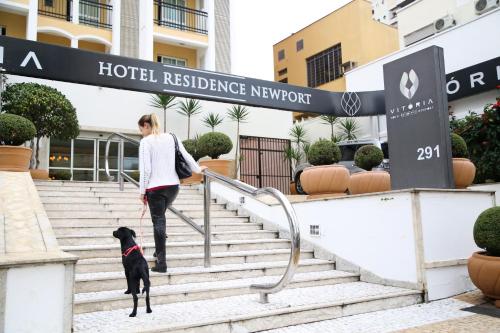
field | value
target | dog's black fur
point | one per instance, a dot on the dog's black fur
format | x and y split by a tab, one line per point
136	267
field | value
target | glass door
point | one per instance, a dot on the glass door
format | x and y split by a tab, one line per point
173	16
131	160
84	159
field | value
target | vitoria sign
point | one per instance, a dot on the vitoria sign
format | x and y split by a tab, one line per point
22	57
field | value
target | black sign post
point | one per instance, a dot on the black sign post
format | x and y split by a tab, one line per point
27	58
417	121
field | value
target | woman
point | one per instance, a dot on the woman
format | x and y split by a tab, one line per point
159	183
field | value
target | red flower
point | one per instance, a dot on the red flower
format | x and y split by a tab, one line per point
498	86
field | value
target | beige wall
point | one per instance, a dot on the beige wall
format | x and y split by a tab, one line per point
74	29
52	39
14	24
161	49
91	46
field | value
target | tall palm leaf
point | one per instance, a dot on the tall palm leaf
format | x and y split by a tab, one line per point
293	155
163	102
329	120
298	133
239	114
212	120
189	108
349	128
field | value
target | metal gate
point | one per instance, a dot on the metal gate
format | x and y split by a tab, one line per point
263	163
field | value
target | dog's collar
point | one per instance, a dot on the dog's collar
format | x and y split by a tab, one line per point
130	249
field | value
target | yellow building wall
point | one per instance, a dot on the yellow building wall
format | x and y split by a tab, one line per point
23	2
52	39
14	24
362	40
168	50
74	29
91	46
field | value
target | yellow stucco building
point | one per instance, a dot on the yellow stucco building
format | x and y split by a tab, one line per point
318	55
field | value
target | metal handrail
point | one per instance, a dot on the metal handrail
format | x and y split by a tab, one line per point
208	177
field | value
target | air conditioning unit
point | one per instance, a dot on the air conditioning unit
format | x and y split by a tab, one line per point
483	6
444	23
347	66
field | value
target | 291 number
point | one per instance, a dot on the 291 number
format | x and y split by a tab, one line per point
427	153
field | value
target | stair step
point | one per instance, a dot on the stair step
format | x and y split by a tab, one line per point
127	195
179	227
172	237
184	207
119	201
105	265
116	299
289	307
135	222
109	251
266	263
101	189
130	214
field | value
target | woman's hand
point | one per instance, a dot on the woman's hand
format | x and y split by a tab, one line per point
203	167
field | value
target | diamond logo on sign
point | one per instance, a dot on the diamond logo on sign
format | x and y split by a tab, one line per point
411	78
350	103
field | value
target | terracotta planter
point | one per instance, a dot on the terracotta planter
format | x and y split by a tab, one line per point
484	272
222	167
196	178
370	182
325	179
464	172
14	158
39	174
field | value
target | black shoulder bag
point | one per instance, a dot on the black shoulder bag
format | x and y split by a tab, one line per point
181	166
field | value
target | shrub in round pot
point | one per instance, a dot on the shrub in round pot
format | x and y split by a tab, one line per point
14	131
324	178
484	267
464	170
60	175
192	147
215	144
368	157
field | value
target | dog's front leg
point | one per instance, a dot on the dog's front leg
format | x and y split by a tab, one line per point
134	312
127	275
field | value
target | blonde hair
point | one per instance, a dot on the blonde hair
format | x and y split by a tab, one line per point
152	120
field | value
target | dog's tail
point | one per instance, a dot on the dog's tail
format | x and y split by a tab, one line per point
146	282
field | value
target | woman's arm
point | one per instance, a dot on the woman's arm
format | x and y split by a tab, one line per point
189	159
144	166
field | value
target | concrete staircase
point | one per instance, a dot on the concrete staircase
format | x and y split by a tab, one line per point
191	298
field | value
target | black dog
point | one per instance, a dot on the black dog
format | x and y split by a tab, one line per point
135	265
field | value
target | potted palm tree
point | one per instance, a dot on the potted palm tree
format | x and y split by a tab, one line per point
15	131
239	114
464	170
189	108
368	157
324	178
349	128
215	144
484	266
50	111
213	120
296	154
331	121
163	102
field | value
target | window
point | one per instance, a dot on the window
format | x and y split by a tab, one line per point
324	66
281	55
172	61
172	15
49	3
285	80
300	45
3	31
283	72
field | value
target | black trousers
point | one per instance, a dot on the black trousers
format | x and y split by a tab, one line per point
159	201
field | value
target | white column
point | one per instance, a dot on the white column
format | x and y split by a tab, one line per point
146	13
32	20
74	43
209	7
116	22
75	11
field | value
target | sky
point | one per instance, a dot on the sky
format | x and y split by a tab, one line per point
256	25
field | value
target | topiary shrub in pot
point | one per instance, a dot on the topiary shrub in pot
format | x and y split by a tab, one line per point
60	174
464	170
14	131
193	148
368	157
484	267
324	178
215	144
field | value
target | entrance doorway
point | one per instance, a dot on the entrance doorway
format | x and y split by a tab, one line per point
263	163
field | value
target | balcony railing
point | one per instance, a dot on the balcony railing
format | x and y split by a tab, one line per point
180	18
91	12
60	9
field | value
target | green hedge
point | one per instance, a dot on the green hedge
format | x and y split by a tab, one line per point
193	148
323	152
368	157
487	231
60	174
215	144
15	130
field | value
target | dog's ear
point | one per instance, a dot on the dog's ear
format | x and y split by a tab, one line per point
133	233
